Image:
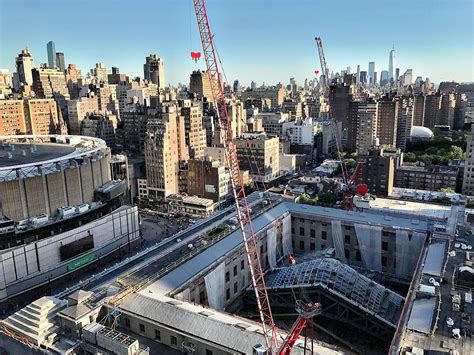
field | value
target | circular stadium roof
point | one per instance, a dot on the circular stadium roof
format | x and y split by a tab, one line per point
421	132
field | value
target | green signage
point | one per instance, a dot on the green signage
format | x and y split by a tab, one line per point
80	262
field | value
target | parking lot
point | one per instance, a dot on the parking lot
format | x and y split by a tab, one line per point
155	228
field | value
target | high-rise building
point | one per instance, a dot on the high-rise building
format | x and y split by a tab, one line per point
116	78
51	55
363	77
340	95
24	66
379	172
209	179
154	71
375	78
397	75
363	126
78	109
164	148
60	61
418	110
432	110
404	121
259	154
194	132
99	126
42	116
275	93
371	80
6	83
100	72
391	65
408	77
384	78
358	74
12	118
73	80
51	83
387	121
446	114
468	181
200	84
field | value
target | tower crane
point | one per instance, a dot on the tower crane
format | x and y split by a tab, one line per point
349	188
243	214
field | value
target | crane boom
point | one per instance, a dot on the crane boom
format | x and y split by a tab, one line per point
243	214
324	66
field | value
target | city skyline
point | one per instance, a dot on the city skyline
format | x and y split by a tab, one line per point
429	53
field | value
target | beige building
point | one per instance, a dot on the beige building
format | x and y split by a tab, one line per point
154	70
24	66
259	154
78	109
387	116
194	132
468	181
49	84
200	84
41	116
73	80
12	117
363	126
164	148
275	93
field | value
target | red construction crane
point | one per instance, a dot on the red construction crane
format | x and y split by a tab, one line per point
324	67
243	214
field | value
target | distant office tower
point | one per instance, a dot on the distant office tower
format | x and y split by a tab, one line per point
375	78
116	78
275	93
51	83
391	65
78	110
397	75
200	84
24	66
358	74
339	97
468	181
164	148
236	87
363	126
100	72
253	85
384	78
363	77
387	121
60	61
371	73
432	110
460	110
379	172
154	70
404	121
348	70
51	55
408	77
418	109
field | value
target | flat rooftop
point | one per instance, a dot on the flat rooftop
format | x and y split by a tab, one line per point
428	209
21	153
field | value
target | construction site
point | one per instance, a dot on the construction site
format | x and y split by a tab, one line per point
272	276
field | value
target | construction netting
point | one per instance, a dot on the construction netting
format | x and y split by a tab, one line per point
215	287
271	247
286	237
370	245
408	248
337	241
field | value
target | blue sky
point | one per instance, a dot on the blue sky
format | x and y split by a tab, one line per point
261	40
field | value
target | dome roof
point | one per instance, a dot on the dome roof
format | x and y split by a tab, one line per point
421	132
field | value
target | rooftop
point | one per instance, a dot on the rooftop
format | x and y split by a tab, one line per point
25	153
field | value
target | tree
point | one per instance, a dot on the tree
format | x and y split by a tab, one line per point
456	152
446	190
350	163
326	198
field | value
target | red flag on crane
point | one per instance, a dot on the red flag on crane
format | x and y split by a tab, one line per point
196	56
316	72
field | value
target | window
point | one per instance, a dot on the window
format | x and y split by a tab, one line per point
174	340
324	235
358	257
242	265
384	261
384	245
157	334
347	253
312	246
127	322
261	249
323	246
142	327
301	230
227	276
235	270
313	233
208	352
236	287
301	220
347	228
292	230
347	239
227	294
302	244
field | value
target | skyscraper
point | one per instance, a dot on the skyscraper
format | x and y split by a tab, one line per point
51	55
384	77
371	73
391	65
24	66
358	74
60	61
154	71
387	121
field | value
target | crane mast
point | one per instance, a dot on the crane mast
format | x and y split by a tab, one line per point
243	214
324	67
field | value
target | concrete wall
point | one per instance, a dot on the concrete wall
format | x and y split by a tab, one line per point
11	200
73	186
34	191
56	192
31	265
